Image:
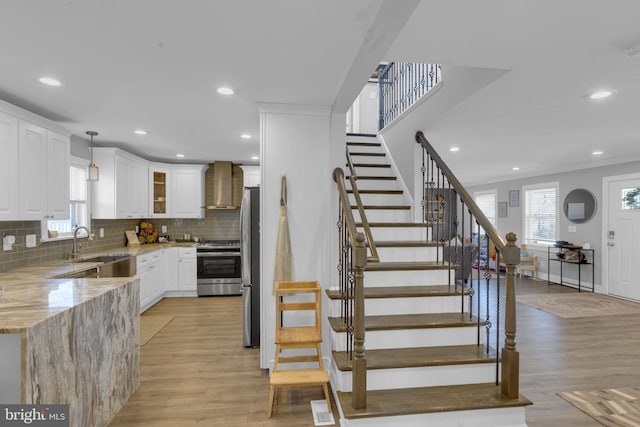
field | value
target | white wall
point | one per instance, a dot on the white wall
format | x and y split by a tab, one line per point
296	142
590	231
363	115
458	84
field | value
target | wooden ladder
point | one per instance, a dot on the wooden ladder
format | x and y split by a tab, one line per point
298	337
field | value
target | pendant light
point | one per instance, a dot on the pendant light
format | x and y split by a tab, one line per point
93	173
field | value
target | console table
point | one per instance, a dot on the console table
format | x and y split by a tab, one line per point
588	261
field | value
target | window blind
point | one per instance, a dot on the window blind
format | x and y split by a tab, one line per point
540	215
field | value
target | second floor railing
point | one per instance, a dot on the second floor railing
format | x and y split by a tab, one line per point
402	84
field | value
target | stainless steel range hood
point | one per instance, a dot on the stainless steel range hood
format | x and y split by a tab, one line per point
222	181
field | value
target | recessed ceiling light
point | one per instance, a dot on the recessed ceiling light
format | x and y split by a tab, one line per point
255	158
140	132
179	155
49	81
245	136
225	91
601	94
597	153
454	149
515	168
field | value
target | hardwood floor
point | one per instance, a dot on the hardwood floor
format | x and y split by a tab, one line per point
195	371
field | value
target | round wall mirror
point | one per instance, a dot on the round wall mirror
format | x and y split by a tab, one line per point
579	205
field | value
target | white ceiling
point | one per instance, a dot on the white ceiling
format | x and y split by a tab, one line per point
155	64
535	116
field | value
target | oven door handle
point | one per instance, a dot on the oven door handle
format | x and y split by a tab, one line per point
216	254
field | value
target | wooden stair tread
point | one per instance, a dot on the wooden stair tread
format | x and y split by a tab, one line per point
408	265
377	191
296	377
406	244
422	400
411	321
371	165
372	177
395	224
402	291
363	144
394	358
366	154
385	207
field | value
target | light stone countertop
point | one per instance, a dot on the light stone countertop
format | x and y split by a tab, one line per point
30	295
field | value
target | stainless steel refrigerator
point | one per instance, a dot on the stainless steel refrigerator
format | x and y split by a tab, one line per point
250	261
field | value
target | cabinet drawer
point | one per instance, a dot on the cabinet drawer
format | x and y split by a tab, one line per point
186	253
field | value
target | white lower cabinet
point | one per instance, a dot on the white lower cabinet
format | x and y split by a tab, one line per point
151	272
187	268
182	275
167	272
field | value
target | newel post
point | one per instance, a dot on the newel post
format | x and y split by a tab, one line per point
359	363
510	356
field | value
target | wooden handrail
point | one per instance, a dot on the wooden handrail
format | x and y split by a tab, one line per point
464	194
510	254
363	217
359	261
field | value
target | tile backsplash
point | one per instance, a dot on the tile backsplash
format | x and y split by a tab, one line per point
217	225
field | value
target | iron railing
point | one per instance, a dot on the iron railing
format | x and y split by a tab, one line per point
351	264
468	240
402	84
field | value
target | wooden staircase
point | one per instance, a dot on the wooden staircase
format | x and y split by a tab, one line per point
426	360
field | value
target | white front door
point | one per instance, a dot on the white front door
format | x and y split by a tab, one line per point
622	236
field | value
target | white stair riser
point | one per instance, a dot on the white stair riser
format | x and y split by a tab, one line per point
384	215
429	337
378	160
425	376
393	254
415	305
365	148
373	171
378	184
379	199
406	277
502	417
411	234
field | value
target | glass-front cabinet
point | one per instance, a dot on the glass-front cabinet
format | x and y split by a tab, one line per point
159	180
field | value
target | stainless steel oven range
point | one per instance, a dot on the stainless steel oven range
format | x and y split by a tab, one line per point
219	267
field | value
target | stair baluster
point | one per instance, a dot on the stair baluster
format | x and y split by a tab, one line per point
504	250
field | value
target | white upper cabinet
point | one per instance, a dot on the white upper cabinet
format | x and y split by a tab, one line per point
34	167
33	171
121	191
58	175
44	173
159	191
187	190
251	175
9	199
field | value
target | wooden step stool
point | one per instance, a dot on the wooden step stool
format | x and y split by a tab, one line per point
298	337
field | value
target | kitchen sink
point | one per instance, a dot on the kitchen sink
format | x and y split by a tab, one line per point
112	266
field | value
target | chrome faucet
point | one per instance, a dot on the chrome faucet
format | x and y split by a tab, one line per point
75	251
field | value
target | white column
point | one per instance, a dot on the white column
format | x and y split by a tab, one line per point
295	141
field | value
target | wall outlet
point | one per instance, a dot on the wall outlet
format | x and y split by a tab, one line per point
7	242
572	229
30	240
101	233
164	229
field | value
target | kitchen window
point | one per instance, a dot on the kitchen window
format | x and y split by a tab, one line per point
541	214
79	209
